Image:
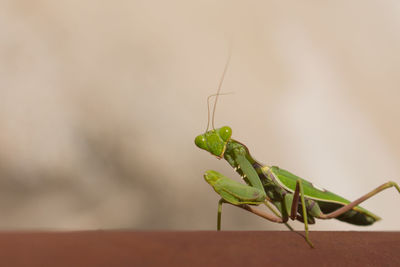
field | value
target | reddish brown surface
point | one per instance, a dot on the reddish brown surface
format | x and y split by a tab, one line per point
203	248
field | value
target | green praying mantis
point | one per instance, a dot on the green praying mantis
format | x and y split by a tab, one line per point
285	194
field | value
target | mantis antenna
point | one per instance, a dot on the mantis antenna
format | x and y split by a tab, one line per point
208	107
217	95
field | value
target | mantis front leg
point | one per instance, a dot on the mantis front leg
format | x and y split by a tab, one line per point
236	194
239	195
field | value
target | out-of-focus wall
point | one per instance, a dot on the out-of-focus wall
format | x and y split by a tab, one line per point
100	103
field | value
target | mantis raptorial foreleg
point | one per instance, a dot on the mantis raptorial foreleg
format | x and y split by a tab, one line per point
240	195
351	205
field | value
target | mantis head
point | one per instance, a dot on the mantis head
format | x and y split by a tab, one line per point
214	141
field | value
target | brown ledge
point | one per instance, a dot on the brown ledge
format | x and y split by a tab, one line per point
200	248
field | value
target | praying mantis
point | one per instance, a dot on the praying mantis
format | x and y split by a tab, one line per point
285	194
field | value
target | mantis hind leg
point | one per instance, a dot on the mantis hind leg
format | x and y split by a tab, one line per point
351	205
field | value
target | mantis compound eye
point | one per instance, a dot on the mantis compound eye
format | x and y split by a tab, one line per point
200	141
225	133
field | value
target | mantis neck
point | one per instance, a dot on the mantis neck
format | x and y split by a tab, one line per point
233	147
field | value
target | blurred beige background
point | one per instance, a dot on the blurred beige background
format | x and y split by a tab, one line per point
100	102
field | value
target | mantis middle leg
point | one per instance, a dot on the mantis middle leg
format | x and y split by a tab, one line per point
269	217
299	192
